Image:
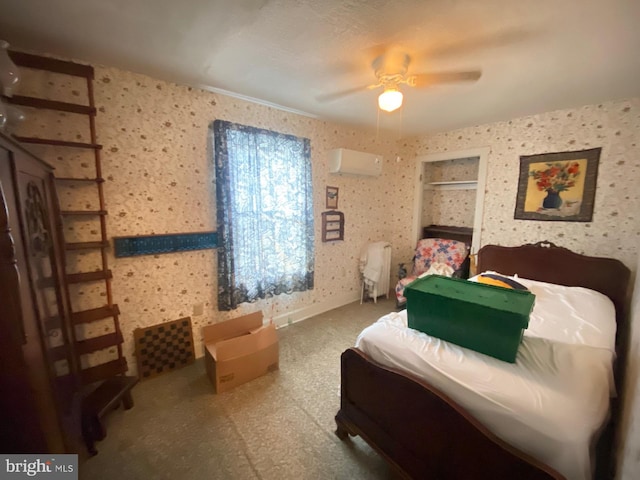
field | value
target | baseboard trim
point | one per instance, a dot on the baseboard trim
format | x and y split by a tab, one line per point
294	316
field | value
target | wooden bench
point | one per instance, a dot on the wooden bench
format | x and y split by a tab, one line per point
99	402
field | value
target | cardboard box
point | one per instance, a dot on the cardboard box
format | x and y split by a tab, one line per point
484	318
239	350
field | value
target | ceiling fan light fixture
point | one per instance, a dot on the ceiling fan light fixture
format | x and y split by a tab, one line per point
390	100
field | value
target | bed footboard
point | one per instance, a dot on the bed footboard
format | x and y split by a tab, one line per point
420	430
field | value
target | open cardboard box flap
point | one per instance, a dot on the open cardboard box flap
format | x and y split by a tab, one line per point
245	344
231	328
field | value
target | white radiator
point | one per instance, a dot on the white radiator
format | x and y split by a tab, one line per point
375	257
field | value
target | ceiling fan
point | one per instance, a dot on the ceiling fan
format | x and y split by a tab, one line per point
391	70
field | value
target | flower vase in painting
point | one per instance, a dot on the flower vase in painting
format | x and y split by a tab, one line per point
552	200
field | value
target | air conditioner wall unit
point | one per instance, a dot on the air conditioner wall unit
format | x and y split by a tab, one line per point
351	162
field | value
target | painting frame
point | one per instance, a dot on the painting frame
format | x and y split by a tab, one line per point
545	177
332	198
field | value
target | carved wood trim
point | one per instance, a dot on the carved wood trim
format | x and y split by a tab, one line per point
36	215
9	266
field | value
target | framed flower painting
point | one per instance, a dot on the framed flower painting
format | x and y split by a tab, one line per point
558	186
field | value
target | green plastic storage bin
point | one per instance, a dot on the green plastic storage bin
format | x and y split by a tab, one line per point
484	318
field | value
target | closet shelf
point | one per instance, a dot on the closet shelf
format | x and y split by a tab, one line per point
452	185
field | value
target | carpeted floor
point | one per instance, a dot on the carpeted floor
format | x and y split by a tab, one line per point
279	426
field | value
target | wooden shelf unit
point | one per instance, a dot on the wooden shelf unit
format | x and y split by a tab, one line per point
103	383
332	226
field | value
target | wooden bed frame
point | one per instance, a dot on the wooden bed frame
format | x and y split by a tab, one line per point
425	434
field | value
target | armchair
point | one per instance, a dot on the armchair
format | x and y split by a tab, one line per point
434	252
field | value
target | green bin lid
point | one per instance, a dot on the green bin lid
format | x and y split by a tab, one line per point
519	302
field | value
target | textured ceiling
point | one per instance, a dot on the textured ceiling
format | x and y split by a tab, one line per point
535	55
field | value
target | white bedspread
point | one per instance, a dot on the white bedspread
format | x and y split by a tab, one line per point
551	402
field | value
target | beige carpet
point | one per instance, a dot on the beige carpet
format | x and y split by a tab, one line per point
279	426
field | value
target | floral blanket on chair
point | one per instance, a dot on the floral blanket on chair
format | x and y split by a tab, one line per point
433	252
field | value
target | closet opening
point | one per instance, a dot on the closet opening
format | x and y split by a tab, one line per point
449	193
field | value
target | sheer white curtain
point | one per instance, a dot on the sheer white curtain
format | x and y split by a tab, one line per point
265	213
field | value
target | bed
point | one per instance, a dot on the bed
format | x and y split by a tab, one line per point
424	433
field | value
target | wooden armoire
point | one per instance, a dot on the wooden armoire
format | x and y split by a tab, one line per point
40	407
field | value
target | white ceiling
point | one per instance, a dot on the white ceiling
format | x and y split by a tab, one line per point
535	55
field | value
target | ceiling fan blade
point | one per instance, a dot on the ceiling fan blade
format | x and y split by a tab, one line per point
474	43
376	51
428	79
329	97
354	63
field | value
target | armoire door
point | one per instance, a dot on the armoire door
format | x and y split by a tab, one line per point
38	320
21	428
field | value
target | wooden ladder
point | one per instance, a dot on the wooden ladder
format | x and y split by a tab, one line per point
104	384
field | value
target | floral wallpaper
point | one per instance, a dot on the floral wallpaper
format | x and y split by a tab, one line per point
614	126
160	174
157	163
159	179
449	207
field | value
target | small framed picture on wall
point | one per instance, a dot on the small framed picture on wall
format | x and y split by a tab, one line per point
332	198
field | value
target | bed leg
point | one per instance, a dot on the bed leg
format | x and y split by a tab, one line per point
341	432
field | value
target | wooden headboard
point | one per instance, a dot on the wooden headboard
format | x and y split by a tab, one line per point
546	262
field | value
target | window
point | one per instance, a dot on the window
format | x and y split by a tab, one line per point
265	213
